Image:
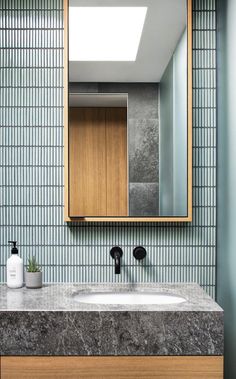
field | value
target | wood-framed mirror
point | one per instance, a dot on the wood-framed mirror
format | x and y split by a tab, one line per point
128	110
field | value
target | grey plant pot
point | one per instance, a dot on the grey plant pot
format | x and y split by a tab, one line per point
33	279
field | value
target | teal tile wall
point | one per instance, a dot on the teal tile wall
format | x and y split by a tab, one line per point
31	162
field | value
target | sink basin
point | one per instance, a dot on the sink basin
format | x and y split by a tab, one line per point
128	297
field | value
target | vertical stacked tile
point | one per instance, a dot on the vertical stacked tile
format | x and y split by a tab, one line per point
31	162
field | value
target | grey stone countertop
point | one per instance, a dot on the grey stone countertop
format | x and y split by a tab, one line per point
48	321
59	297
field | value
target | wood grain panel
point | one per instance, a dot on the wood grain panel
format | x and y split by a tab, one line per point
127	219
112	367
87	162
116	155
65	132
190	110
98	162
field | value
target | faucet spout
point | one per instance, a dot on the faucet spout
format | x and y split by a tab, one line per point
116	253
117	263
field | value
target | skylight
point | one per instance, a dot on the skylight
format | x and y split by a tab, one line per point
105	33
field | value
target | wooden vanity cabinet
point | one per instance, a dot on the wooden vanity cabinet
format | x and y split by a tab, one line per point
172	367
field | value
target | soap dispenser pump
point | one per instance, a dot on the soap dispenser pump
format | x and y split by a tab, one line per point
14	268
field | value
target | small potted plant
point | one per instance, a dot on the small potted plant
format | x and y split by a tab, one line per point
33	274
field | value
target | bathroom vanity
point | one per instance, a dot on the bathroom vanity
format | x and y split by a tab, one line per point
127	158
80	331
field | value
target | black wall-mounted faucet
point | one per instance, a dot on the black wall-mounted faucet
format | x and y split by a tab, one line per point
116	253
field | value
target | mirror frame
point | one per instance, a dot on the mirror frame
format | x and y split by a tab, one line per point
187	218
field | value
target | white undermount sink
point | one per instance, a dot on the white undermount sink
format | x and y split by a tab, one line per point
128	297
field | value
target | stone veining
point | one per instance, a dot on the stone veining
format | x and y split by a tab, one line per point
50	322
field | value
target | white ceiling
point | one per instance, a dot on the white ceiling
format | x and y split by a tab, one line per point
164	24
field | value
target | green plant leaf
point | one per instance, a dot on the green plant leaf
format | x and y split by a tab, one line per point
33	265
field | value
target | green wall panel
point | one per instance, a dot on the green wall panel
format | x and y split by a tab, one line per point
31	162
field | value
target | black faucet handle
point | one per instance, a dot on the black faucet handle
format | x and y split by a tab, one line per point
139	253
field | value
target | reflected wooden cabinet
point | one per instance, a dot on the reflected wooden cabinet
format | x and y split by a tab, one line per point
98	162
207	367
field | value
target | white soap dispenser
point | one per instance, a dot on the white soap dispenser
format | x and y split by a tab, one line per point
14	268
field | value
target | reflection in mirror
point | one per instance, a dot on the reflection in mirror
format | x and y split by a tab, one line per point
128	132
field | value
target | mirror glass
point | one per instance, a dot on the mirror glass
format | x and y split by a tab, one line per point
128	132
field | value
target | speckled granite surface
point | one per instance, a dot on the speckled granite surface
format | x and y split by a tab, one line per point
48	321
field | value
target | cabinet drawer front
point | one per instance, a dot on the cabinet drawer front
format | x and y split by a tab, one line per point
111	367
